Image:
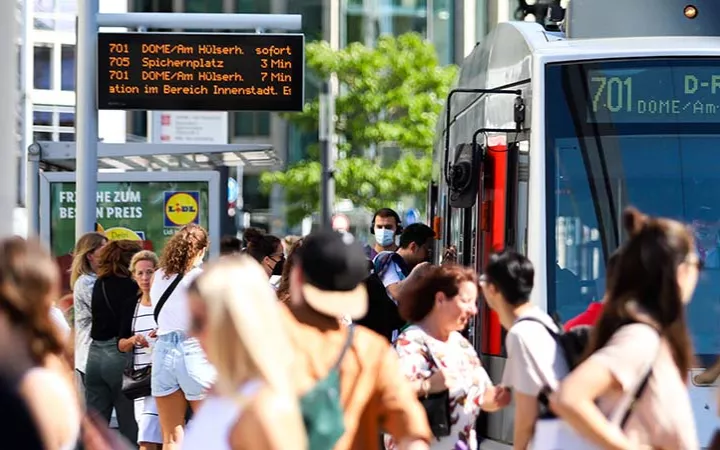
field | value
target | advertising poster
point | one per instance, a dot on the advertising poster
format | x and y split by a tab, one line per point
143	211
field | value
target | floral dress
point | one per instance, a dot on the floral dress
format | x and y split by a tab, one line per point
419	355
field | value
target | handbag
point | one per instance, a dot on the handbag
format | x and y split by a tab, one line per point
136	383
437	407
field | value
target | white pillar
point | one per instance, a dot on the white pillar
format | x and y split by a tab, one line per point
86	117
9	83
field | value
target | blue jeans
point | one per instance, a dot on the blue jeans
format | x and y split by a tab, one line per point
179	362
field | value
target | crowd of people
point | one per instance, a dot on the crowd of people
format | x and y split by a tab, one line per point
320	343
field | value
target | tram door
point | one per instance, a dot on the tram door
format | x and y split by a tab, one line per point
501	217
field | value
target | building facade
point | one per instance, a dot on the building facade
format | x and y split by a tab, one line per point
454	26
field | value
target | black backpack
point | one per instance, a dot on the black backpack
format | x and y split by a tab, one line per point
573	342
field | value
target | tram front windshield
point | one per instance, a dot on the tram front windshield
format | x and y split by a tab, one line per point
641	132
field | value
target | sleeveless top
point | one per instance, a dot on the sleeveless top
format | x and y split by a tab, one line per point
210	428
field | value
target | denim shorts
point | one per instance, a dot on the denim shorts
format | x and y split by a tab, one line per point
178	362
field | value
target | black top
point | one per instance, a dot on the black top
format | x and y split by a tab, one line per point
382	316
113	317
17	426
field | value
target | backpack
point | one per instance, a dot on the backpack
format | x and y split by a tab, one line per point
573	342
321	409
382	261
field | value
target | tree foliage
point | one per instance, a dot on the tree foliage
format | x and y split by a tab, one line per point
390	97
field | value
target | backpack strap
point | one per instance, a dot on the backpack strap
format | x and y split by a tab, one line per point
554	333
346	346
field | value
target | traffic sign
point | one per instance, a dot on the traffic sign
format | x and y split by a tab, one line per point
233	190
411	216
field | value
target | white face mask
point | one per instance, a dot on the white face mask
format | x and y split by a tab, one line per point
384	237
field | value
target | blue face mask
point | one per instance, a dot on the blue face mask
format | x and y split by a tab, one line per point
384	237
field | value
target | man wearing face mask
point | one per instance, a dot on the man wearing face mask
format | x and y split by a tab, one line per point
416	243
268	251
385	226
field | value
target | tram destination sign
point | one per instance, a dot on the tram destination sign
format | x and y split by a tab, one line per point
206	72
674	92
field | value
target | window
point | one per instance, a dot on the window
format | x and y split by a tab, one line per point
251	123
204	6
153	6
67	79
44	118
43	67
253	198
138	124
608	150
253	7
443	30
66	119
66	137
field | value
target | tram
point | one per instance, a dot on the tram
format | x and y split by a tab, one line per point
553	129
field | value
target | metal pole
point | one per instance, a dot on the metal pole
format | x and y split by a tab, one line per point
26	87
86	118
8	114
32	188
327	187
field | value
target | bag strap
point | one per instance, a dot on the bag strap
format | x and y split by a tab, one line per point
554	333
636	394
166	295
346	346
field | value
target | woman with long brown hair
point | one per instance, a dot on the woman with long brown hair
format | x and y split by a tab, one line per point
181	373
29	282
114	297
640	352
82	280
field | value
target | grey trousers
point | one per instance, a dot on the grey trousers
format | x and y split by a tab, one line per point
103	386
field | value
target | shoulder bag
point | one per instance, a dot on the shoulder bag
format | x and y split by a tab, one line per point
553	433
136	382
437	405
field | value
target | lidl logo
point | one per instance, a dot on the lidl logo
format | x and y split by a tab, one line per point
182	208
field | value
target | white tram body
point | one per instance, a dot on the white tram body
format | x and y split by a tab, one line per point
612	111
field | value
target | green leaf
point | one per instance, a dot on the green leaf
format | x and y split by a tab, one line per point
391	96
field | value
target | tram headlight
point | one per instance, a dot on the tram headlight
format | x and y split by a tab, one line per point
690	11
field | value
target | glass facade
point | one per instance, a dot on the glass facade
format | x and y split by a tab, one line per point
366	20
53	69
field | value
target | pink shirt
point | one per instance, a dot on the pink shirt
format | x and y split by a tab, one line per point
663	416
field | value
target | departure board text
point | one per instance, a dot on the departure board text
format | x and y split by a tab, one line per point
206	72
667	93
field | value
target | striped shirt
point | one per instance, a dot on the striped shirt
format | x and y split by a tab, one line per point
143	323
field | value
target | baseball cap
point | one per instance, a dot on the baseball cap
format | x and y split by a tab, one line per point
334	267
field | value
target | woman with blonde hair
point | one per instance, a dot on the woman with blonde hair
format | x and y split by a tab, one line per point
82	281
137	337
181	373
253	405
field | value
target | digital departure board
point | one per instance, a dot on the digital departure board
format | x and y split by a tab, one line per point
672	91
206	72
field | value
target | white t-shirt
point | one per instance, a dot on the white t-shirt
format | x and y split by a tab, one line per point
534	357
175	314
